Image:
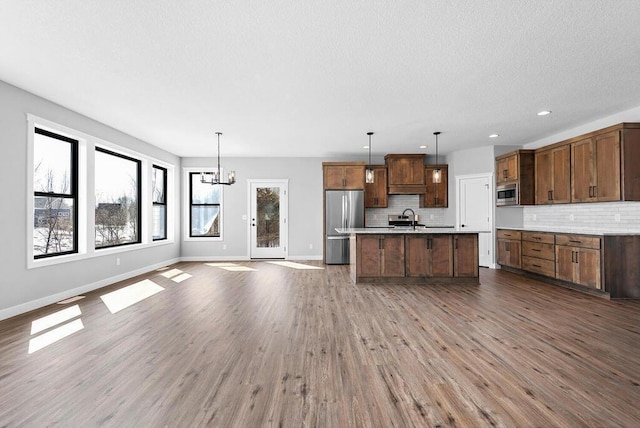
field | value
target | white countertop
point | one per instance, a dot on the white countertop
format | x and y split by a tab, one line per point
404	231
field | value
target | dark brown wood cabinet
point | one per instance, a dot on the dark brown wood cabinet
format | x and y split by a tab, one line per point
429	255
517	168
538	253
553	175
375	194
405	174
595	167
509	248
465	256
380	256
578	260
437	194
343	175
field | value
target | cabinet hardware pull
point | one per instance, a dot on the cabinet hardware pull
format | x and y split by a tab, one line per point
538	266
536	250
595	191
575	242
455	243
537	237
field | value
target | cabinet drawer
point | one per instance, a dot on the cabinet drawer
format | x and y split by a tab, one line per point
543	238
509	234
539	266
581	241
541	251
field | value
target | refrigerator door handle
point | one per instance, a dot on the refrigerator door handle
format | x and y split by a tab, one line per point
348	198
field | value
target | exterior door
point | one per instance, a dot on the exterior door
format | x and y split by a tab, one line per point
268	223
475	211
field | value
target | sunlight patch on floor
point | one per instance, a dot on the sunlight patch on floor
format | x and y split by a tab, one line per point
171	273
181	277
54	335
130	295
294	265
233	267
55	318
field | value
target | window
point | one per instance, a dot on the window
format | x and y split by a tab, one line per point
118	195
204	207
159	201
55	194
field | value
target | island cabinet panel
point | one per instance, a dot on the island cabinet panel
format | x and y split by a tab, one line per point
465	251
343	175
380	256
429	255
375	194
553	175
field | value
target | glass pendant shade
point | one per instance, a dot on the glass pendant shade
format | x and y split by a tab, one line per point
437	175
369	176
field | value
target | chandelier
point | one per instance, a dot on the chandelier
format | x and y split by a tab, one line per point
214	177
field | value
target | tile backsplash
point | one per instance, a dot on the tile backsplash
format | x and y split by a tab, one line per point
584	218
378	217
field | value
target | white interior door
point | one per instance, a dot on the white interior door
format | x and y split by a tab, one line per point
268	222
475	211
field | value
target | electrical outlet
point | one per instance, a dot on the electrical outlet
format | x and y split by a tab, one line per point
224	246
572	217
617	218
117	261
534	217
311	246
431	217
244	216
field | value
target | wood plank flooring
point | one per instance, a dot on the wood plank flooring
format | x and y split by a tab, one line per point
285	347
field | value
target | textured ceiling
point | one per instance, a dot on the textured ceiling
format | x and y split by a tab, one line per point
310	78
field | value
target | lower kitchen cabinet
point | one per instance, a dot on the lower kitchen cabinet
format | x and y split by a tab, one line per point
429	255
509	248
380	255
578	260
538	253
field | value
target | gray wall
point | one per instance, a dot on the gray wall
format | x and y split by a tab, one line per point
305	206
22	289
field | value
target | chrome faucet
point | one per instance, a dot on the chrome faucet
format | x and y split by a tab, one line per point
413	216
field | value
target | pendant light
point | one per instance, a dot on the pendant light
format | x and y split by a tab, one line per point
437	172
214	177
369	175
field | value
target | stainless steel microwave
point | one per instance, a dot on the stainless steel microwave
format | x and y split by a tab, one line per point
507	194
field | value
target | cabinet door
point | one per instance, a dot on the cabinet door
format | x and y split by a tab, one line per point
417	256
509	253
582	170
375	194
607	167
465	255
370	252
437	195
392	256
503	252
561	175
405	171
512	167
441	249
501	171
354	177
333	177
565	263
543	175
588	268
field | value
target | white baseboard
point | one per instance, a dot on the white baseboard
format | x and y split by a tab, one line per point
48	300
215	259
310	257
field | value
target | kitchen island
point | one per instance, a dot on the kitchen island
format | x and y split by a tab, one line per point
416	256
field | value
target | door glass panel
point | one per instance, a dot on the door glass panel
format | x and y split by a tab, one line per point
268	217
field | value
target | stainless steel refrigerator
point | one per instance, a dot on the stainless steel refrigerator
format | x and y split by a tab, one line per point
344	208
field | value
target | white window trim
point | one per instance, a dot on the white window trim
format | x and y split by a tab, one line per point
187	206
86	196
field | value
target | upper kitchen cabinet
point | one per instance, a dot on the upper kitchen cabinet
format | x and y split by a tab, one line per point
604	165
343	175
553	175
375	194
517	168
405	174
437	194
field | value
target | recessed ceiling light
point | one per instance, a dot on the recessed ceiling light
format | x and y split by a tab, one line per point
423	147
544	112
494	135
365	147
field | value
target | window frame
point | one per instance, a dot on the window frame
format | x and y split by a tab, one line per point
187	198
138	198
73	195
162	204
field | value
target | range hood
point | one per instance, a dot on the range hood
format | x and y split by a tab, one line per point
406	174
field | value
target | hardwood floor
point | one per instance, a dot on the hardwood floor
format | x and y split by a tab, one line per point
284	347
